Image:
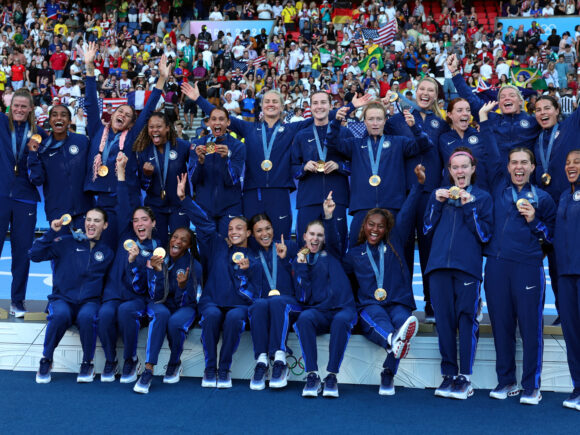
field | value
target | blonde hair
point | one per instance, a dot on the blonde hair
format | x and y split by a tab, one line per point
278	94
23	93
435	104
374	105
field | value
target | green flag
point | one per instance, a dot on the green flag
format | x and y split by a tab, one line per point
375	57
538	82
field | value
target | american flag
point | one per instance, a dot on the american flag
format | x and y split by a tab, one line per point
102	102
259	60
243	66
383	36
307	113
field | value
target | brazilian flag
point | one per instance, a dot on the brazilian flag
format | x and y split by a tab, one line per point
538	83
375	56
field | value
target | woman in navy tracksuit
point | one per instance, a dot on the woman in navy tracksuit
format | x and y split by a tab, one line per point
385	300
216	164
228	292
377	163
566	242
125	302
267	177
80	264
320	170
271	312
161	156
62	154
515	282
108	140
461	219
173	285
18	196
428	116
324	291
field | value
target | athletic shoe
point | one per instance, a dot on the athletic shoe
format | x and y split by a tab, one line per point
130	371
400	339
479	315
429	314
444	390
461	389
43	373
573	401
173	373
387	387
87	372
502	392
209	379
224	379
144	383
109	371
330	386
17	309
531	397
279	378
260	374
313	385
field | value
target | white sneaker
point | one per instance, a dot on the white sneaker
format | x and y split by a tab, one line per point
17	310
400	340
531	397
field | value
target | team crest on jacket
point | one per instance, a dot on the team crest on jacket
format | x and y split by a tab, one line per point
530	195
99	256
73	149
387	144
473	140
524	123
145	253
172	155
576	196
434	123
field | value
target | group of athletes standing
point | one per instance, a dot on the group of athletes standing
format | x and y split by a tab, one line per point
115	265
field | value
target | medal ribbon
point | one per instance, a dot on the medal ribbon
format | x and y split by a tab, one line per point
322	150
268	146
143	248
313	262
380	271
271	277
545	157
457	202
19	153
534	193
49	145
162	175
375	162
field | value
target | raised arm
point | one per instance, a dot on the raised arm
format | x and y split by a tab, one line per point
463	90
91	104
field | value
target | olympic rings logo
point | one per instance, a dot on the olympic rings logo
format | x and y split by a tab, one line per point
293	363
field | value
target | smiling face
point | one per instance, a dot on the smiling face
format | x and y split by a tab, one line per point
179	243
59	120
461	170
314	237
158	130
142	224
218	122
271	105
122	118
94	224
263	233
238	232
426	94
572	167
520	167
546	113
509	101
460	115
375	121
374	228
20	108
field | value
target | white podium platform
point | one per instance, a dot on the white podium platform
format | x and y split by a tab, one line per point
21	349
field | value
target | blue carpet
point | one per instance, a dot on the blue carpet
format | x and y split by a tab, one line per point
64	407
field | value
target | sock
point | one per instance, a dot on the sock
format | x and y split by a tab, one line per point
263	358
280	356
390	339
468	377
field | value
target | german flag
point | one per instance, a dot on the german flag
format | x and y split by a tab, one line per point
342	15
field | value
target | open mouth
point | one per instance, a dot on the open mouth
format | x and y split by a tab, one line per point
142	233
461	180
119	122
314	246
175	250
373	237
58	124
156	139
265	241
91	231
235	239
217	131
519	176
572	175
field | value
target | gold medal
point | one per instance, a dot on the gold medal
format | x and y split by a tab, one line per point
103	171
210	148
274	292
521	202
380	294
128	244
266	165
304	251
320	165
37	138
393	98
546	179
163	194
237	257
159	252
66	219
375	180
454	192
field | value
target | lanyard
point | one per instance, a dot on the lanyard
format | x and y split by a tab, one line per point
143	248
163	175
313	262
49	145
545	157
109	146
268	146
534	194
375	162
18	153
322	150
380	271
457	202
271	277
